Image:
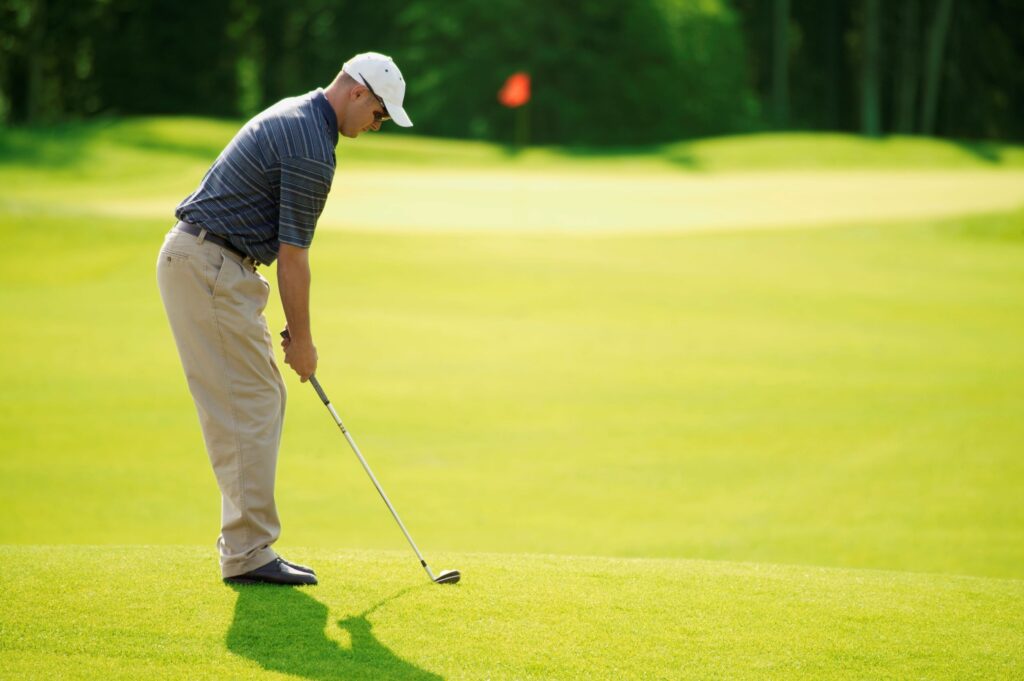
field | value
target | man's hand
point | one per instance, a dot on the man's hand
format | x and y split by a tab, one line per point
300	356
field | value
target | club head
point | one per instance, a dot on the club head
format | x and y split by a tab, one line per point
448	577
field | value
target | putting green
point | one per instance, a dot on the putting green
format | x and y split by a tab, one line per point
161	613
643	202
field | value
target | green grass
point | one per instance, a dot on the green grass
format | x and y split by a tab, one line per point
77	145
141	168
161	613
842	397
798	449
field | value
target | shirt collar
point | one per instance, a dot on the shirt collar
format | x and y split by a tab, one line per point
327	111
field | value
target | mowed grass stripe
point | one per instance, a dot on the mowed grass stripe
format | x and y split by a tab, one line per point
121	611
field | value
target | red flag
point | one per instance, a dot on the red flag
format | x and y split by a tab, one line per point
516	90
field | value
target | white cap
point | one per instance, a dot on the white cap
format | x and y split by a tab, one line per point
380	73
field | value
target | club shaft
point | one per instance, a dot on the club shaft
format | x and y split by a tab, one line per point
366	467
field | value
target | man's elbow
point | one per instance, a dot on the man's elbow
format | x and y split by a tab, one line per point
290	257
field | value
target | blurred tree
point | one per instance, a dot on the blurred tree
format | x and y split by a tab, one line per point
251	48
166	56
46	59
983	72
16	16
298	45
905	84
36	62
780	64
871	124
603	72
971	68
820	79
933	64
832	75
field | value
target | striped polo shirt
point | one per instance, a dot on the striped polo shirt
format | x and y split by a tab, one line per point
269	185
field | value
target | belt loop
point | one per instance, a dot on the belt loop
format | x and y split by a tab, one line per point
202	236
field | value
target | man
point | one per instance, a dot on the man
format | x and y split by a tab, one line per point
258	203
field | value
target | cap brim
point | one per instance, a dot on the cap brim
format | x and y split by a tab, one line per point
398	114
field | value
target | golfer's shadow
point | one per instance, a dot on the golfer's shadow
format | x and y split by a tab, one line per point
282	630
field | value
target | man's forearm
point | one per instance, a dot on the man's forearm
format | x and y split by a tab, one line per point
293	279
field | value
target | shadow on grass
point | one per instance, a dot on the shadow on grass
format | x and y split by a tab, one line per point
1007	228
52	147
283	629
677	154
68	145
986	152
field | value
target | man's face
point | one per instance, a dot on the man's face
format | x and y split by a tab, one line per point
365	113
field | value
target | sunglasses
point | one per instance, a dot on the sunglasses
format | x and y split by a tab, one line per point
378	117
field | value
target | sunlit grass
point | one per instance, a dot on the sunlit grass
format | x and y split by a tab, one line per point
162	613
839	397
829	399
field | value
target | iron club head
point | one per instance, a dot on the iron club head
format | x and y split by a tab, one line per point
448	577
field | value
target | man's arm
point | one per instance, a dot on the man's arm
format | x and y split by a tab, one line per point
293	279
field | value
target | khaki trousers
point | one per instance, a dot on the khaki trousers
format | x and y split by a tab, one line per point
214	301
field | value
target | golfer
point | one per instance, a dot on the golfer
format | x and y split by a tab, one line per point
260	202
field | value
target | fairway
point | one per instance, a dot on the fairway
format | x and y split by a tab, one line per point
665	424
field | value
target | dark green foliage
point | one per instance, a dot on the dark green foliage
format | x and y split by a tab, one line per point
298	45
605	72
608	72
166	56
981	76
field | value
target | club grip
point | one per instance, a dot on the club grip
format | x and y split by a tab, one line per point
312	378
319	390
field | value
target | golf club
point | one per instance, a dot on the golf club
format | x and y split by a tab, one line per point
446	576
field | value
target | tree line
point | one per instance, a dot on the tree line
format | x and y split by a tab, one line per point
948	67
604	72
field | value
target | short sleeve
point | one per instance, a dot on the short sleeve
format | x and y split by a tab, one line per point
305	184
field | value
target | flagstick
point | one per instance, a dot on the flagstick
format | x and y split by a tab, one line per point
522	127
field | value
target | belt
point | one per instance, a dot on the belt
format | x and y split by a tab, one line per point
196	230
